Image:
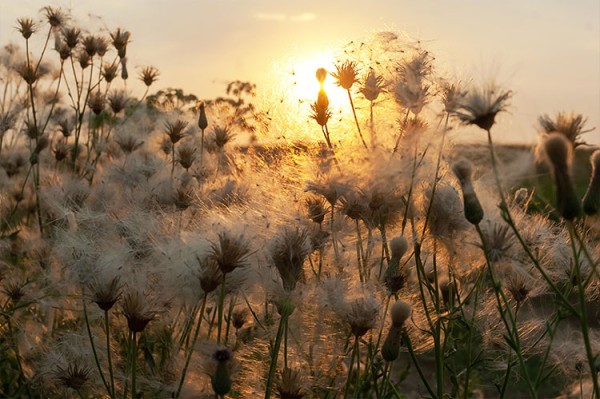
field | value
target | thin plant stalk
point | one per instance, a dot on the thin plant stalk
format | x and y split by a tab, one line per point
275	355
108	353
220	310
133	364
356	119
91	337
191	347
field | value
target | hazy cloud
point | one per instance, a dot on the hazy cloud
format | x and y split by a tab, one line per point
304	17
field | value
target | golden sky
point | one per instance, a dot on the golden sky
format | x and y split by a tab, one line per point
546	51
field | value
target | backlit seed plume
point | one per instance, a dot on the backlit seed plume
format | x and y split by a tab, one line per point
320	109
106	294
137	310
289	251
321	75
149	75
120	39
89	45
117	100
315	207
472	207
361	314
480	106
231	252
56	17
27	72
572	126
346	74
210	276
97	102
175	130
26	26
400	313
411	90
498	241
71	36
372	86
109	71
558	150
591	200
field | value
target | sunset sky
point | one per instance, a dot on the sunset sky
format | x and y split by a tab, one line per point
546	51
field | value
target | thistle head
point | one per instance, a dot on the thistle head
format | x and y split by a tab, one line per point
97	102
572	126
71	36
320	109
56	17
480	106
210	275
230	253
361	314
106	294
137	310
117	100
90	45
175	130
221	379
26	27
316	209
373	85
120	39
288	252
149	75
346	74
109	71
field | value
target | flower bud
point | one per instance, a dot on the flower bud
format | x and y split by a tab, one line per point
591	200
558	151
202	121
391	346
221	380
472	207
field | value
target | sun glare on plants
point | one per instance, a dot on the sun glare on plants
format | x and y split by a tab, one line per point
305	83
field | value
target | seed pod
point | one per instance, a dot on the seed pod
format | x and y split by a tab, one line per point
558	151
391	346
473	210
400	313
221	380
202	120
591	200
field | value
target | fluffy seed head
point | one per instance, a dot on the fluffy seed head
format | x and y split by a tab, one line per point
480	106
149	75
400	313
26	26
558	150
74	376
346	74
105	295
361	315
230	253
373	86
175	130
315	208
398	246
288	251
136	310
109	71
321	75
463	169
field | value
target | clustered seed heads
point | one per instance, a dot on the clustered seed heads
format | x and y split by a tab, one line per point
558	152
473	210
395	278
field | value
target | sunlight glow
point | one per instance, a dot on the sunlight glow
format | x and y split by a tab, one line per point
305	84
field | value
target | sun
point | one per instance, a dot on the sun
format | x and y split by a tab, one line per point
305	84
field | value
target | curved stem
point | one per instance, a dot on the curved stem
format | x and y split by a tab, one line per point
356	119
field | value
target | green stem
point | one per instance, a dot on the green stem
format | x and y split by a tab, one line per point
90	336
274	355
220	309
191	347
108	353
